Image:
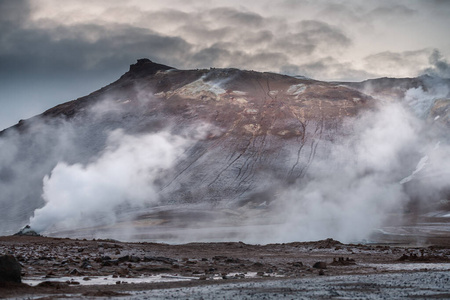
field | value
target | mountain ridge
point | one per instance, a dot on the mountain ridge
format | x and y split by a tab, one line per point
377	87
230	143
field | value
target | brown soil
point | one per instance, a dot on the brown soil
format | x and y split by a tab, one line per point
56	257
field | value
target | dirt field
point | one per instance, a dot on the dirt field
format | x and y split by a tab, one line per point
61	268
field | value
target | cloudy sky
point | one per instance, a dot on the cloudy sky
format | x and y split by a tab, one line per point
53	51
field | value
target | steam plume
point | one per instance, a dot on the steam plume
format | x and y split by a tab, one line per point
85	195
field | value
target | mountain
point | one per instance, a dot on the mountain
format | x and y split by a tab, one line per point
163	148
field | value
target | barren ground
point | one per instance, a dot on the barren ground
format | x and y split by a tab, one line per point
64	268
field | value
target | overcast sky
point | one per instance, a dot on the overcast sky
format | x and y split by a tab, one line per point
53	51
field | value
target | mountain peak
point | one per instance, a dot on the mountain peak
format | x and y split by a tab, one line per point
145	66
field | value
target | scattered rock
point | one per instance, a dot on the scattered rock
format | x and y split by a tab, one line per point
112	262
10	269
320	265
106	293
53	284
124	258
86	264
134	259
232	260
297	264
75	272
341	261
219	257
153	269
165	260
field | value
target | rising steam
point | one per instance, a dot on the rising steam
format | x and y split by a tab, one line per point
351	192
79	195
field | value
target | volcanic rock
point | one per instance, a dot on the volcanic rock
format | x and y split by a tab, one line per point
10	269
320	265
27	231
341	261
145	67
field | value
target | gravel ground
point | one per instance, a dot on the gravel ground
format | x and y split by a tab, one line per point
58	268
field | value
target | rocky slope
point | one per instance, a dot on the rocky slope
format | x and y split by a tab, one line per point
238	138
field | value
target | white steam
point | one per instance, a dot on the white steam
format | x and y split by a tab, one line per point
351	192
421	101
79	195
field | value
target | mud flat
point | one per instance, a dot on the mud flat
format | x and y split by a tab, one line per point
57	267
375	286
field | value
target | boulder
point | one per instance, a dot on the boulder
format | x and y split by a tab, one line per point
320	265
10	269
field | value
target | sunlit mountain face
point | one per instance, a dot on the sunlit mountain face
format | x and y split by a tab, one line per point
226	154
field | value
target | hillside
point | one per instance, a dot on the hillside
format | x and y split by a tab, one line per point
162	148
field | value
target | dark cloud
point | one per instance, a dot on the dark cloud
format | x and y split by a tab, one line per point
332	68
395	58
342	12
311	37
37	51
258	39
209	56
221	37
317	32
305	37
218	55
290	70
202	32
400	64
295	4
13	13
392	11
227	15
41	66
295	45
438	3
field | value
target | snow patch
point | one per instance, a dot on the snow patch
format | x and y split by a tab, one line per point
199	89
239	93
296	90
273	93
